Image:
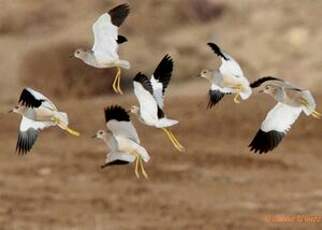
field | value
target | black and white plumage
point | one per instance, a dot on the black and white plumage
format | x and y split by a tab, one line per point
122	140
275	126
150	94
104	53
228	79
38	113
292	101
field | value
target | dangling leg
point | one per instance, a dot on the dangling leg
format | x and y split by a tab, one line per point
142	169
119	71
172	141
316	114
176	140
237	87
64	127
236	98
137	166
115	84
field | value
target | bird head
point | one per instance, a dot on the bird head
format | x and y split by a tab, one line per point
269	89
134	109
17	109
205	73
100	134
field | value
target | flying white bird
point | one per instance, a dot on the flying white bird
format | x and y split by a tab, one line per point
150	94
228	79
106	40
122	140
38	113
291	102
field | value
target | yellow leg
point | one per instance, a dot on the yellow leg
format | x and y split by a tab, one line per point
66	128
119	71
171	139
115	84
142	169
316	115
176	140
137	166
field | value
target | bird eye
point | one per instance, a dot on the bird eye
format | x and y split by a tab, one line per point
267	87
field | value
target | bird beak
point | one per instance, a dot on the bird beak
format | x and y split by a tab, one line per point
128	111
10	111
94	136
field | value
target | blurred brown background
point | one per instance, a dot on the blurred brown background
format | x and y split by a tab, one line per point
217	183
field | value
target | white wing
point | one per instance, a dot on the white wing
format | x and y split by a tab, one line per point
123	128
38	96
148	105
28	133
230	67
105	39
161	78
275	126
281	118
119	123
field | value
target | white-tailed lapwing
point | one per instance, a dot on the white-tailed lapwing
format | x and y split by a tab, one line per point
106	41
291	102
38	113
150	94
228	79
122	140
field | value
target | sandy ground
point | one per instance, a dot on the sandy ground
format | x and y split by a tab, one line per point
216	184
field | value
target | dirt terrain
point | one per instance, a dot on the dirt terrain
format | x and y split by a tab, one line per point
217	183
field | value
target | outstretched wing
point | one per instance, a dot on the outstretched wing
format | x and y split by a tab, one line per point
119	13
144	92
275	126
105	31
228	65
119	123
118	158
33	99
161	78
28	133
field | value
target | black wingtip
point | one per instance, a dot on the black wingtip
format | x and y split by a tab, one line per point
28	100
261	80
119	13
121	39
116	112
25	141
144	81
113	163
217	50
264	142
214	97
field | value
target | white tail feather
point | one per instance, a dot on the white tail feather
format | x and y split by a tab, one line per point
124	64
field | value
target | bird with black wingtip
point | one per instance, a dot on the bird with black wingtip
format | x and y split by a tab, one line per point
38	113
122	140
292	101
228	79
104	53
150	94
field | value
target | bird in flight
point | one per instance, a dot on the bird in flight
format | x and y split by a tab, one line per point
228	79
106	41
38	113
150	94
292	101
122	140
